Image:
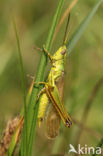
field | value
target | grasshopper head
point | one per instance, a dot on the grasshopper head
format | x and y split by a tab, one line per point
61	53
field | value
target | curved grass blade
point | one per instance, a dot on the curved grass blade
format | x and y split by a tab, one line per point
13	143
82	27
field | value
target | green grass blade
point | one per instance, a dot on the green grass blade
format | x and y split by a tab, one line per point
24	93
100	144
15	138
12	145
32	113
78	33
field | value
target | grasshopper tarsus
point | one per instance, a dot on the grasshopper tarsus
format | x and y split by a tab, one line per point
68	123
37	48
36	84
41	92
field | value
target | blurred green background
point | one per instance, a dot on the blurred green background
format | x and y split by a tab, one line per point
84	65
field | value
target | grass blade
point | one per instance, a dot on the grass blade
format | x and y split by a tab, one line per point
80	30
32	113
13	143
100	144
15	138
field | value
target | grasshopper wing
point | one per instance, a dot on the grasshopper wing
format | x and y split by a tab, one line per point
52	123
53	118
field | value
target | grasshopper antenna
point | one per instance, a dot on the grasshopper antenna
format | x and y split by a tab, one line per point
66	29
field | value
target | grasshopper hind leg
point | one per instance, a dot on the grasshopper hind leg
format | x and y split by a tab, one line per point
42	108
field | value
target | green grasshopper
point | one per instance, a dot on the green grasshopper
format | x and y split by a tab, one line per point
50	91
56	71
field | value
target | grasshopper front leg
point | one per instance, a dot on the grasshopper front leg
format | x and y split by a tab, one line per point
48	54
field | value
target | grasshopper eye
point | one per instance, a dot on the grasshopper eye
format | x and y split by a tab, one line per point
63	52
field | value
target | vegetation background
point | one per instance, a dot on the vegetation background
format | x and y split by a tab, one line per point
84	67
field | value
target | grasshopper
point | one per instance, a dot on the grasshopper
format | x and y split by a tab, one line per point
56	71
50	92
